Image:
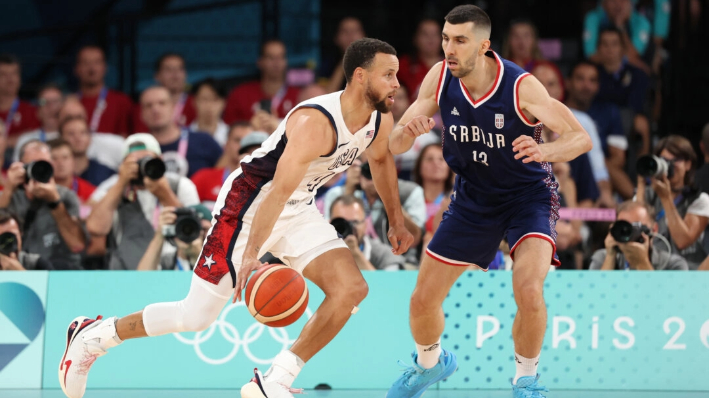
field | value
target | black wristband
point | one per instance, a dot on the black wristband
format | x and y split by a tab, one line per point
53	205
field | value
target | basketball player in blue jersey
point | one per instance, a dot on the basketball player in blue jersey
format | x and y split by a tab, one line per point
268	206
492	112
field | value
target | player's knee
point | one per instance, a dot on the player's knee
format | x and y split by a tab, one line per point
419	304
351	293
359	291
530	296
196	320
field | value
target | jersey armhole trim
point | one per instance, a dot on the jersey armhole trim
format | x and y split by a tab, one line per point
332	121
439	88
376	128
518	109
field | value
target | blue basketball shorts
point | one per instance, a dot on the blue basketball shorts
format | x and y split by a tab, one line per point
470	236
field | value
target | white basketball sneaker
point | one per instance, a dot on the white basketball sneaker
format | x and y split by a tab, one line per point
86	340
258	387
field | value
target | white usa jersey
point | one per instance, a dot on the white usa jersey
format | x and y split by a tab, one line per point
261	164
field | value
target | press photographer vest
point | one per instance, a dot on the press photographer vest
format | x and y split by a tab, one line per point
696	252
127	246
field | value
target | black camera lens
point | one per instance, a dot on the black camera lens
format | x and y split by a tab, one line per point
622	231
8	243
342	226
40	171
153	168
654	166
187	229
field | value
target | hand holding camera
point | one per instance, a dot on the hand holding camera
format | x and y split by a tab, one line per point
8	253
346	230
181	223
632	239
660	171
136	171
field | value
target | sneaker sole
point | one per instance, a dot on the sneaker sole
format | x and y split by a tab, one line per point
251	390
79	328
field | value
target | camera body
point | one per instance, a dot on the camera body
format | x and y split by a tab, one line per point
8	243
187	226
40	171
151	167
343	227
624	232
655	166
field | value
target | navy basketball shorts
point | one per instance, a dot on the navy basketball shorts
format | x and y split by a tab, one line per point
467	237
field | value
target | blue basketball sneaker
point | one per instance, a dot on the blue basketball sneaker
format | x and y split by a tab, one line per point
415	380
527	387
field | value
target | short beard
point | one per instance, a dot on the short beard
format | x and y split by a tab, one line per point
379	106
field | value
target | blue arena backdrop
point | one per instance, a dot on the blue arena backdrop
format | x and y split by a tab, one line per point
23	299
606	330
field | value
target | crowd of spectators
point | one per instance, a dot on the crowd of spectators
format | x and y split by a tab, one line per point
122	174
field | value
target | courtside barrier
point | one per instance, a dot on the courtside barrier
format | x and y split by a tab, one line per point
606	330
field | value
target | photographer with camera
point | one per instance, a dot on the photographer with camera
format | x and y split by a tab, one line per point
49	212
629	243
12	257
348	218
126	207
185	228
682	210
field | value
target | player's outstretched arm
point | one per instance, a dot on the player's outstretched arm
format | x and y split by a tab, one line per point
573	140
310	136
387	183
417	119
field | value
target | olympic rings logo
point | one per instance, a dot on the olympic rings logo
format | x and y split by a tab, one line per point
232	335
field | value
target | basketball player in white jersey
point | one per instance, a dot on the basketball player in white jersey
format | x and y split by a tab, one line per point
267	206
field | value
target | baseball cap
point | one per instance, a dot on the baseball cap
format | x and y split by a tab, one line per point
202	211
254	138
139	142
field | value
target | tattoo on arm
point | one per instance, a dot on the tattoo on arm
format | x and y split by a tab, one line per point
132	325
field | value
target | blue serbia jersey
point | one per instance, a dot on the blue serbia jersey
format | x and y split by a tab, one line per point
477	141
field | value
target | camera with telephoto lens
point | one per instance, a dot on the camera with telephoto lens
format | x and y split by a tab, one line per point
8	243
153	168
187	226
655	166
342	226
40	171
624	232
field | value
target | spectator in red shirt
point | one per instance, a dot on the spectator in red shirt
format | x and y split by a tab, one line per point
183	151
170	73
271	94
413	68
18	116
108	111
63	162
521	45
50	100
209	181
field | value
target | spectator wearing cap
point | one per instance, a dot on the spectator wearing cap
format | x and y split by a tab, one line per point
64	175
50	99
108	111
75	132
187	253
48	211
18	116
184	152
126	207
104	148
170	72
12	255
209	181
209	99
271	94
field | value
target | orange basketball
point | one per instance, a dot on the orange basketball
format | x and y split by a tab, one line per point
276	295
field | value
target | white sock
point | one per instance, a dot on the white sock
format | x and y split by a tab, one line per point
525	366
285	368
104	334
428	354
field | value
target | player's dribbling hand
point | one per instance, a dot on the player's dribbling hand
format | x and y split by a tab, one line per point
419	125
400	239
526	146
248	265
